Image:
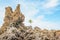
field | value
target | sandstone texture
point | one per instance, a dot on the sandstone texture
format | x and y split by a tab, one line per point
13	28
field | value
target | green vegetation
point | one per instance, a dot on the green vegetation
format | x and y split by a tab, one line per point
30	21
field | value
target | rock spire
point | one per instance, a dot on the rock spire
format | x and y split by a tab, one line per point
12	16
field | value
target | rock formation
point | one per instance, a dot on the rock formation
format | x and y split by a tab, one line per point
15	17
13	28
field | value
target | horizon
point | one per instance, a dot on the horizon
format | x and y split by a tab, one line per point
43	13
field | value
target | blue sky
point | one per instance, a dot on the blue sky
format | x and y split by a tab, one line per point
44	13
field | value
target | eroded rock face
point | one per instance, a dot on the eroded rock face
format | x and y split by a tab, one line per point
12	17
14	29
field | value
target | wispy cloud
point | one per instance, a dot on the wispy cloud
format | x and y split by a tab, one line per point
50	4
32	8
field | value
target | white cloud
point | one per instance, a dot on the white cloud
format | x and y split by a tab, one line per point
43	24
41	17
29	10
51	3
46	24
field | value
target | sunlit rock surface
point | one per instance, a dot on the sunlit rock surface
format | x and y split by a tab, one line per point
12	17
13	28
